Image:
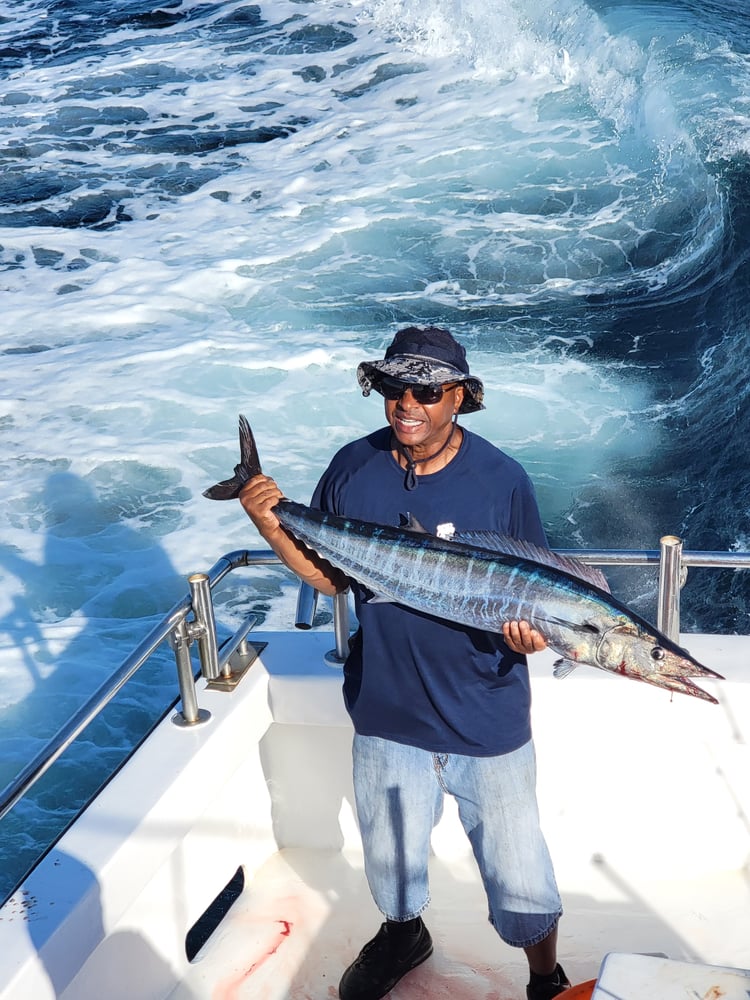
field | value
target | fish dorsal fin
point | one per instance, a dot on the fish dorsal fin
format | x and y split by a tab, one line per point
495	542
410	522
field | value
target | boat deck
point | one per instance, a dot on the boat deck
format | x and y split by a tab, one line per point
645	804
291	933
308	913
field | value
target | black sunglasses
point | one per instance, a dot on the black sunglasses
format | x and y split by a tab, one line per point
425	395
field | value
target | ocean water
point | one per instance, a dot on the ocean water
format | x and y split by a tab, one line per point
209	208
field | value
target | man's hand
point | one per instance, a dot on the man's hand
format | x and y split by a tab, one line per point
522	638
258	497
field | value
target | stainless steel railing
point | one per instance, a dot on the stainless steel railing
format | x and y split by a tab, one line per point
174	627
181	631
671	559
673	563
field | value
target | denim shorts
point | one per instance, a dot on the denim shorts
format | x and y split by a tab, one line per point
399	793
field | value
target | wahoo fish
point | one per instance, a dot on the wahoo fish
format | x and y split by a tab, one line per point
483	579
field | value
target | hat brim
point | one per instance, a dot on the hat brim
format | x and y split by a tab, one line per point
417	370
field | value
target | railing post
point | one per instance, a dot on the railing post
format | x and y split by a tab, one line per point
307	601
337	656
671	579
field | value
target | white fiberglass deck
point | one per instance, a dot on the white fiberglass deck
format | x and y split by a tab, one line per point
645	802
308	913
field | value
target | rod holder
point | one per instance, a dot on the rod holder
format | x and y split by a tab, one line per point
203	629
672	577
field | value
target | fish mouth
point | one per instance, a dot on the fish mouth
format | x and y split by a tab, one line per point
681	685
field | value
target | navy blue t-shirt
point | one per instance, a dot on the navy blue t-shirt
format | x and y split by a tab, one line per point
416	679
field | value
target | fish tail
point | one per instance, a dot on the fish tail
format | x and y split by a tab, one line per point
249	458
248	467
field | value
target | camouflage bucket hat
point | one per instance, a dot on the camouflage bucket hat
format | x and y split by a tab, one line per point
427	356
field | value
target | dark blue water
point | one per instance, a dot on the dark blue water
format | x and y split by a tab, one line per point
213	208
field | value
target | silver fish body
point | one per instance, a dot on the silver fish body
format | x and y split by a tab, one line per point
483	587
483	580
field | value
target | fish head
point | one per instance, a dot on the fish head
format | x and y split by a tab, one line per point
633	650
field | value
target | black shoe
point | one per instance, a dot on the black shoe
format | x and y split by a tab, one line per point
548	988
383	962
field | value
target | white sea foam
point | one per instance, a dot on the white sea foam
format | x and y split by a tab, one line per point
200	307
505	170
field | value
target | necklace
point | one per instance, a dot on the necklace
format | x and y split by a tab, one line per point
411	482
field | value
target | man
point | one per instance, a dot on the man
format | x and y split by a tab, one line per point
436	706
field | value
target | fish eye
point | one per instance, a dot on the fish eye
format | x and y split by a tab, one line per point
657	653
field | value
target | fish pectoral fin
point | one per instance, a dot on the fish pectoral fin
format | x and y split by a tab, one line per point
563	667
379	599
586	628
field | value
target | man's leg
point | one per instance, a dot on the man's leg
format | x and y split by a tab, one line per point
398	802
497	803
547	978
542	957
